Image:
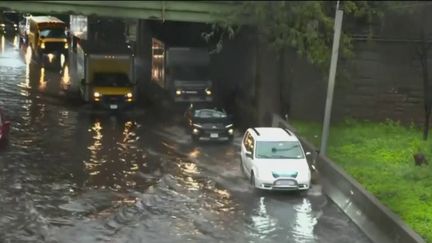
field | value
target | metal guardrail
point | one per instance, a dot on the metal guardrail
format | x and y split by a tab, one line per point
371	216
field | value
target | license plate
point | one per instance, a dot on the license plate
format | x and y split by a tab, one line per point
113	107
214	135
285	183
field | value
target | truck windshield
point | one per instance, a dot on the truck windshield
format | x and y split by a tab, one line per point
190	73
111	79
53	33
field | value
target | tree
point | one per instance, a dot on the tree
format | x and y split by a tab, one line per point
306	27
423	50
421	40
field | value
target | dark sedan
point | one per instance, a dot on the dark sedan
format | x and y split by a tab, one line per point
7	25
209	124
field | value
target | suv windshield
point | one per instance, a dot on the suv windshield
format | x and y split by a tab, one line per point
111	79
53	33
279	150
209	113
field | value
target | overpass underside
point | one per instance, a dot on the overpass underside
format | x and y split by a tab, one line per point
187	11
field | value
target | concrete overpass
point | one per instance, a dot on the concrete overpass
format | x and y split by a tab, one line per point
188	11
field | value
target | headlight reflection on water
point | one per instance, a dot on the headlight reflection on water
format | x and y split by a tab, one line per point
42	82
305	222
263	223
115	160
3	44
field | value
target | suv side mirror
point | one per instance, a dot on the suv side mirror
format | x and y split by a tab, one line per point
248	154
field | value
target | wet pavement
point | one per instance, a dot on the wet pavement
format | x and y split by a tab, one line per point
70	174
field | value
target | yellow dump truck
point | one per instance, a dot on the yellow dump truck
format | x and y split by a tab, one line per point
109	80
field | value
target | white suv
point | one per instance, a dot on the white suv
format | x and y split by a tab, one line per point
273	159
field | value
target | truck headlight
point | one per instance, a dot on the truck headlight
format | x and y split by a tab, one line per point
66	46
178	92
96	94
230	131
43	45
129	97
195	131
208	91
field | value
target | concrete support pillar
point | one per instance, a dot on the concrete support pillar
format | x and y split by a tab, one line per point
268	86
143	52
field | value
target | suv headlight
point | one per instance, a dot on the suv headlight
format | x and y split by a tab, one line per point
43	45
96	94
208	91
178	92
66	46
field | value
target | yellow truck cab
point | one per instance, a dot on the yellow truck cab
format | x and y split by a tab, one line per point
109	81
47	34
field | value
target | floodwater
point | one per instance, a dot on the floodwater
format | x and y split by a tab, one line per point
70	174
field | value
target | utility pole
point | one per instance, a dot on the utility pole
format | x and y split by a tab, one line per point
331	82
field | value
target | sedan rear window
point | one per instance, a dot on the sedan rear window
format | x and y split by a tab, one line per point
279	150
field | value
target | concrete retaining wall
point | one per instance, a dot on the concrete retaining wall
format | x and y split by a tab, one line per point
373	218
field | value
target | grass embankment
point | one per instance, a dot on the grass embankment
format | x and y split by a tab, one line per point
380	157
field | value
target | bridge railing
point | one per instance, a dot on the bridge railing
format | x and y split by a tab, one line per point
189	11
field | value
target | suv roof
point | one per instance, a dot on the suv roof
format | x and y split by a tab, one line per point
272	134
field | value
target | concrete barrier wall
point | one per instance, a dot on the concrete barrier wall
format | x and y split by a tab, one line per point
371	216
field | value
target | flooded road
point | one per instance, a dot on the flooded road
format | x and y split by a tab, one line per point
72	175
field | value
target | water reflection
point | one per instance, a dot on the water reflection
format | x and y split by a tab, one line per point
29	69
287	217
262	223
16	42
66	79
303	229
3	42
188	169
114	155
42	81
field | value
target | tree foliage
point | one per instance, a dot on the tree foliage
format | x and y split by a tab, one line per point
306	26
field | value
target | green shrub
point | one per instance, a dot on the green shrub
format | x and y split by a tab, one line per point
380	157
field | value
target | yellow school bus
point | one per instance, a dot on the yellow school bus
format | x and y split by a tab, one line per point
47	34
